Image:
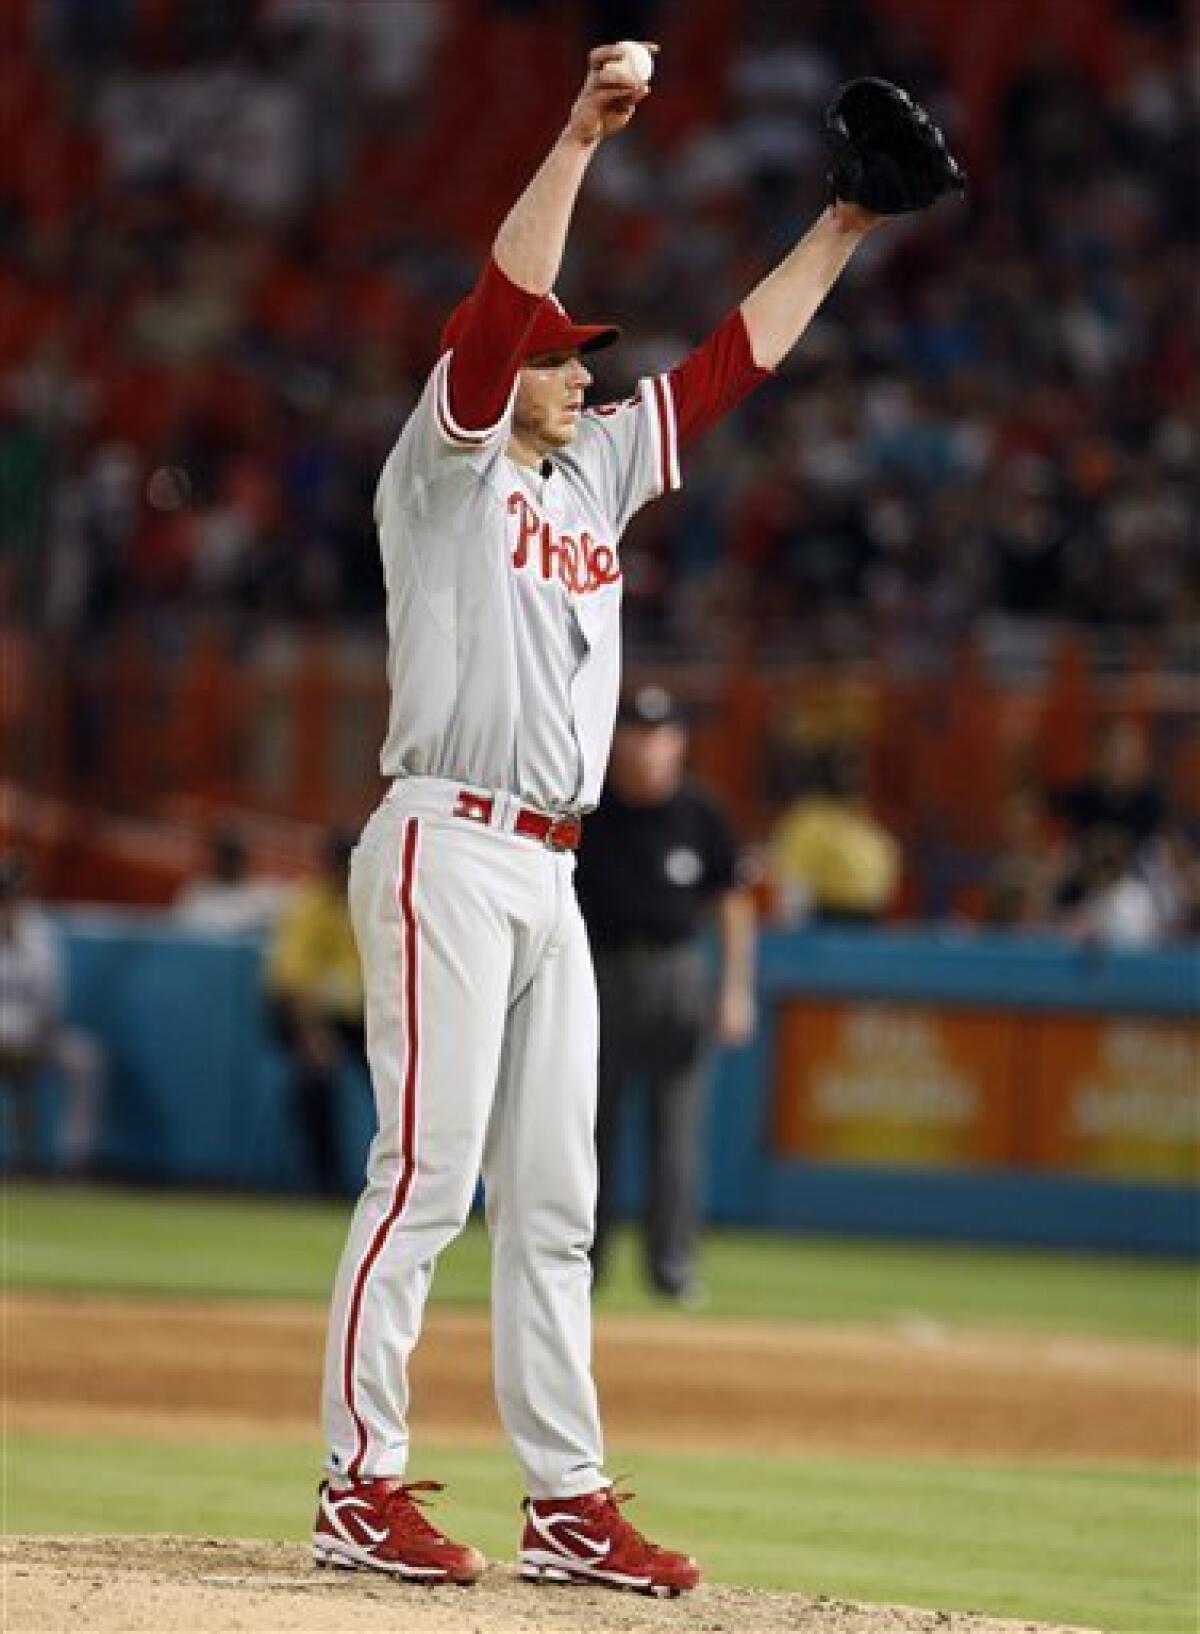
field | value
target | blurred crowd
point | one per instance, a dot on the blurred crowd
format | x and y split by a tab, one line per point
228	235
38	1038
1102	861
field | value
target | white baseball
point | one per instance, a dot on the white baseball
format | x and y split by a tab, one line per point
636	59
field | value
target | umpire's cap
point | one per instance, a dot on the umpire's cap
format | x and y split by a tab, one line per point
649	706
554	330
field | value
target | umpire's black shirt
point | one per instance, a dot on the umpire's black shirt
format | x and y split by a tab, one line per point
650	874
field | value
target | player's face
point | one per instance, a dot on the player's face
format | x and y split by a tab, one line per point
549	401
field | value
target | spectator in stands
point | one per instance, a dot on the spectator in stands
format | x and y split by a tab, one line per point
1108	899
1020	883
831	862
35	1038
314	984
657	867
225	897
1171	866
1120	793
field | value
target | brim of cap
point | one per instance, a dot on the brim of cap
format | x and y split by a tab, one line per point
552	331
573	337
635	717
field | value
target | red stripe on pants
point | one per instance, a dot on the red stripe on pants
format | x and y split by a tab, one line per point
408	1120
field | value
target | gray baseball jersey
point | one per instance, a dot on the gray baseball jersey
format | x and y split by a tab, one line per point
504	594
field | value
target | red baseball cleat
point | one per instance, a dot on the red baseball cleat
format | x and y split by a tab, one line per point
588	1540
377	1526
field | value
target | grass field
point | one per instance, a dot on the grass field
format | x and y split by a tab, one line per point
147	1242
1110	1546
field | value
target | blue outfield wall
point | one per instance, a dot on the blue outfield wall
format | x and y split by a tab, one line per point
958	966
197	1088
749	1184
197	1091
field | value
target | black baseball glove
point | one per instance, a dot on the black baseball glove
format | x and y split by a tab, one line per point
887	154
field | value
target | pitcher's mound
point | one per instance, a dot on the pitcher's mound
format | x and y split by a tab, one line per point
171	1585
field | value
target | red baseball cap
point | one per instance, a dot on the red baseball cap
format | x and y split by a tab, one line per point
554	330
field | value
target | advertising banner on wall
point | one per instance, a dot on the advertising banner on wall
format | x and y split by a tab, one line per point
942	1087
874	1083
1116	1098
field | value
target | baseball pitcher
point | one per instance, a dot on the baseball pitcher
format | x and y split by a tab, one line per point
500	511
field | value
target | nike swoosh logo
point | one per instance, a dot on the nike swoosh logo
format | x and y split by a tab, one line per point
565	1523
371	1533
598	1550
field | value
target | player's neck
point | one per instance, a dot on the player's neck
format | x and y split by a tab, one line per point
526	451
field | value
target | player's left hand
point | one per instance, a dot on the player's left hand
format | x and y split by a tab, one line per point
610	95
853	219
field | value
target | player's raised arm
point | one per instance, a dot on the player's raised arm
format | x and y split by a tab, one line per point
529	246
778	311
887	157
487	334
744	348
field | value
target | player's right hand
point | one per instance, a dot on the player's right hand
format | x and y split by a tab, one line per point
609	97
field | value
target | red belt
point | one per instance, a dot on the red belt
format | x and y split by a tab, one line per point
559	833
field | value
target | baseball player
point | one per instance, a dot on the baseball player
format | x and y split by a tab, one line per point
499	513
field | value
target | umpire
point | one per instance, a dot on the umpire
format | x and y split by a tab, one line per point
657	864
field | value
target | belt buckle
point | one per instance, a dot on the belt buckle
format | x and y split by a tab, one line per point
561	833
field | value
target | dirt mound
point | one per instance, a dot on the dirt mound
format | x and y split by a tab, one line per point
218	1586
225	1368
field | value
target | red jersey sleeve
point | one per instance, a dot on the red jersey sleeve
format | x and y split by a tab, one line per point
486	353
714	378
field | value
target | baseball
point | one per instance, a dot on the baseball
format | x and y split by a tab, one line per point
637	59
